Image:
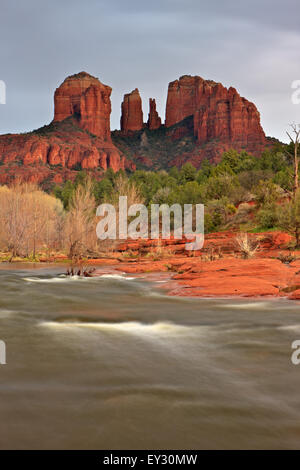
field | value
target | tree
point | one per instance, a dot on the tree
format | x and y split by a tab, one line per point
222	185
289	217
235	162
29	219
174	172
102	189
80	229
267	216
187	173
266	192
189	193
220	210
294	137
124	187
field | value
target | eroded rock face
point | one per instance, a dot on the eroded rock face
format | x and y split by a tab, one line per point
227	274
154	121
218	113
132	113
86	98
78	137
203	120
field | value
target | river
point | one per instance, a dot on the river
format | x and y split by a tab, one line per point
114	363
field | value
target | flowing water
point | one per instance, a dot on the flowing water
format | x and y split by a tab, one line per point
112	362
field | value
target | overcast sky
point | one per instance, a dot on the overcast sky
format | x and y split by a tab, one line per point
251	45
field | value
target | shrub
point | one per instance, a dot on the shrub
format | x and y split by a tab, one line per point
267	216
246	246
289	217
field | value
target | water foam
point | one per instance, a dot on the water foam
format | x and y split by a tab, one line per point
245	306
5	313
161	328
117	276
64	278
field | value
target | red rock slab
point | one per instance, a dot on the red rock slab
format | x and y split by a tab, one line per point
295	295
226	277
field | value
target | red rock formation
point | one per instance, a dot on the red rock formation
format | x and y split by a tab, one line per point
181	99
219	113
85	97
154	121
82	108
79	136
132	113
205	276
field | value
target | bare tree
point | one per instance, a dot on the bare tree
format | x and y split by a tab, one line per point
294	137
80	228
29	218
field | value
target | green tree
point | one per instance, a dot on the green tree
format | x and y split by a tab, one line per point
235	162
102	190
189	193
284	179
267	216
289	217
266	192
67	193
219	186
174	173
187	173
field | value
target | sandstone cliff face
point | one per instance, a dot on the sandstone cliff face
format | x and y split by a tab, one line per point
203	119
85	97
78	137
132	113
37	157
218	113
154	121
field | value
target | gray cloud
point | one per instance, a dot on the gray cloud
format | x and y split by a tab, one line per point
253	46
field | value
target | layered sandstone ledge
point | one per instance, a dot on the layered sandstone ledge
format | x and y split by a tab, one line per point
225	277
218	270
203	120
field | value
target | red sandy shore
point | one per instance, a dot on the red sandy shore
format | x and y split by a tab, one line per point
227	276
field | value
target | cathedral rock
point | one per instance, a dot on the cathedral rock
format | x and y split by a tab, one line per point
85	97
131	112
218	113
154	121
203	119
79	136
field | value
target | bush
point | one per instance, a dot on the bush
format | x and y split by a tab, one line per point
219	186
246	246
267	192
267	216
289	217
220	210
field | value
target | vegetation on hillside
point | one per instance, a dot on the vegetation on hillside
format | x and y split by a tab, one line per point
242	193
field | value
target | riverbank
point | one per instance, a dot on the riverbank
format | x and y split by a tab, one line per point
218	270
220	278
